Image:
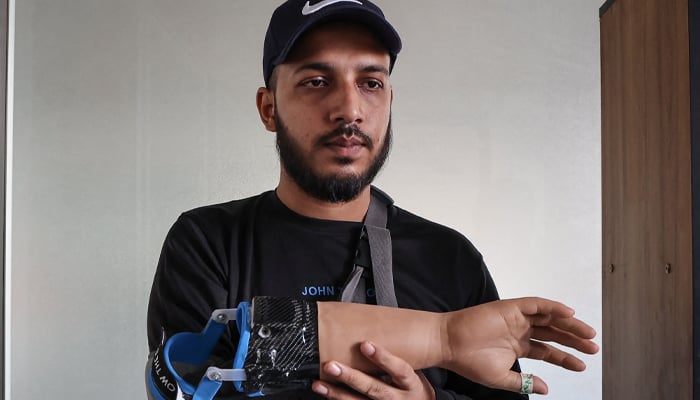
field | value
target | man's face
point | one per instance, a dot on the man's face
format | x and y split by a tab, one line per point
332	107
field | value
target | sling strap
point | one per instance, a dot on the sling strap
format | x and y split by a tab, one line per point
375	242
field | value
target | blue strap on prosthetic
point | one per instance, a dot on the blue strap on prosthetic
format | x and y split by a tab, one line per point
214	377
195	349
243	323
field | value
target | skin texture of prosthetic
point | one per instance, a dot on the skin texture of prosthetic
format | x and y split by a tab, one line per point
480	343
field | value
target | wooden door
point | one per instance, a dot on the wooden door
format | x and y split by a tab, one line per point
647	200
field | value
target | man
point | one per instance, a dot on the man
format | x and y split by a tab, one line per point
328	98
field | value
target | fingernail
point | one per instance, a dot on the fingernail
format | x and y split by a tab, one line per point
368	348
333	369
320	389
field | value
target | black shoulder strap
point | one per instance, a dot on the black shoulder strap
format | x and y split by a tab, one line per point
378	237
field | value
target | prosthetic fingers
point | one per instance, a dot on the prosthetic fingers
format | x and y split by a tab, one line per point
277	351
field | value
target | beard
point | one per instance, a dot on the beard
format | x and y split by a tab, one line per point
333	188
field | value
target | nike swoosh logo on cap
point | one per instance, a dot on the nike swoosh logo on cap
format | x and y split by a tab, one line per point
309	9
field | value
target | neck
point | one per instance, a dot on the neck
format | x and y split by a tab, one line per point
297	200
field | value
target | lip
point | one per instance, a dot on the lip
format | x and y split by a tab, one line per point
345	147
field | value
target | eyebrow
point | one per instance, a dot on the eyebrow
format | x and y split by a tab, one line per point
327	67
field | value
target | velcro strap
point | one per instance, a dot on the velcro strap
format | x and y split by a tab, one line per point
162	383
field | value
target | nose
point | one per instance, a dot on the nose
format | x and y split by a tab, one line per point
346	104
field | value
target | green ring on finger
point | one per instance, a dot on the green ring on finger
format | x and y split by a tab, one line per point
527	383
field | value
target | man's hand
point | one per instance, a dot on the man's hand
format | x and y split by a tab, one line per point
400	381
481	343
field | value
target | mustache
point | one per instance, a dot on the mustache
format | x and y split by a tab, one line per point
348	131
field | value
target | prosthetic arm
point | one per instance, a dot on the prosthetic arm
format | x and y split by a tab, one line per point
283	342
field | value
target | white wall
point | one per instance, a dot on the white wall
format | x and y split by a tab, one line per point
128	112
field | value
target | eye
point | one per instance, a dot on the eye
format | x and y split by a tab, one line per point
314	83
374	84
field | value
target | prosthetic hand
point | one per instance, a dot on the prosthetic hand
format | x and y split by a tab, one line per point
483	342
283	343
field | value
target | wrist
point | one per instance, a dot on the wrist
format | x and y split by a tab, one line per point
445	346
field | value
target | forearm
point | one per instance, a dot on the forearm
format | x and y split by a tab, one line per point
480	343
293	338
415	336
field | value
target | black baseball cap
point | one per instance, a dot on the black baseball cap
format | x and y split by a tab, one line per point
295	17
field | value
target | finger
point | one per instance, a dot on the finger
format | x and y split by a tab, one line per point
538	305
333	392
553	355
515	383
575	326
401	373
568	324
357	380
553	334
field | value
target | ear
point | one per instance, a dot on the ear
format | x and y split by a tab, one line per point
265	100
